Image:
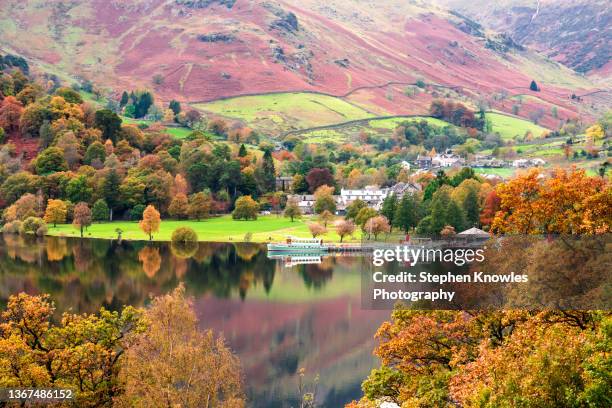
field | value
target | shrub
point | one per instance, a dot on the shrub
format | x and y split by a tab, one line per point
31	225
42	230
184	234
184	242
136	212
12	227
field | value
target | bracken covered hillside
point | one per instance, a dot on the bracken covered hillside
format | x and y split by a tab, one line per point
201	50
573	32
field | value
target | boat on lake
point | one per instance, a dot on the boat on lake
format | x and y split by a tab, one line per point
297	245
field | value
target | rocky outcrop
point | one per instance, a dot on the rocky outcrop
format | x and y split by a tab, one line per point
200	4
217	37
286	21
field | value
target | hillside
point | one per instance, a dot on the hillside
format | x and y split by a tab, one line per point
369	53
575	33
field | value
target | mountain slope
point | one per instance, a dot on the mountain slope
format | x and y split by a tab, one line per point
202	50
576	33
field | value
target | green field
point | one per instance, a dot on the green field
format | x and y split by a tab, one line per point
286	111
133	121
179	132
508	126
502	171
392	123
218	229
350	132
324	136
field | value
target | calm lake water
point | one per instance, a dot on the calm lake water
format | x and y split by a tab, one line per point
277	318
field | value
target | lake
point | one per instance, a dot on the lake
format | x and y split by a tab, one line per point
278	318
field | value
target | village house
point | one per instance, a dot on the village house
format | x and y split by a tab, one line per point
423	162
374	196
404	188
371	195
487	162
447	159
305	202
283	183
522	163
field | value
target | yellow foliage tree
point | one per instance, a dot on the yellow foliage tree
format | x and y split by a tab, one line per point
56	212
173	351
595	132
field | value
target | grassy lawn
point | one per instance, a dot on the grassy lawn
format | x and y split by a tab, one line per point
178	132
218	229
133	121
504	172
508	126
286	111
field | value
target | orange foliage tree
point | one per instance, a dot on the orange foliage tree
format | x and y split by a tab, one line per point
150	222
567	202
10	113
491	358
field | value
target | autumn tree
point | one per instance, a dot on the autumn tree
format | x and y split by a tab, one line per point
246	209
172	350
324	199
81	218
96	152
326	217
377	225
56	212
50	160
150	221
532	204
318	177
199	206
80	352
353	209
28	205
490	208
10	113
180	185
364	215
344	228
292	209
179	206
316	229
69	144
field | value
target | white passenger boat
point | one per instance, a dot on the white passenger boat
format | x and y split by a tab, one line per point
292	261
297	245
